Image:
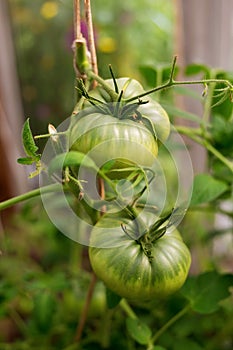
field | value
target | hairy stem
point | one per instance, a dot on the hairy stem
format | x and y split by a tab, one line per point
28	195
195	135
128	310
101	81
171	82
172	320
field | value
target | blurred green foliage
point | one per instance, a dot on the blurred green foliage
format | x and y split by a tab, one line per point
128	34
43	286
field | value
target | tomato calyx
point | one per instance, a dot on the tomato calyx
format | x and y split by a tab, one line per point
119	109
149	236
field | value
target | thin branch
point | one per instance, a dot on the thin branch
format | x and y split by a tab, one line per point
114	96
77	20
171	82
128	310
28	195
85	310
172	320
193	134
91	37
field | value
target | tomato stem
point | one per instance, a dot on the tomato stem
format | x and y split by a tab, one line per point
128	310
114	96
28	195
172	82
172	320
195	134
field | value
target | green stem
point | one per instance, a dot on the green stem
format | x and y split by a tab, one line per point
171	82
25	196
50	135
128	310
101	81
207	106
172	320
218	155
188	131
194	134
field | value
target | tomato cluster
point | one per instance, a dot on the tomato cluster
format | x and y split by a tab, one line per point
133	252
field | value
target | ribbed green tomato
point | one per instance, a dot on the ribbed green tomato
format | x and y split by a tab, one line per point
126	269
151	110
107	137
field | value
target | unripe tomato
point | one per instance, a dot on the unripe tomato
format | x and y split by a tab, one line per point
152	109
117	129
125	268
107	138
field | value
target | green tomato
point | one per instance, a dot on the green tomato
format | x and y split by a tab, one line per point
104	137
151	110
125	268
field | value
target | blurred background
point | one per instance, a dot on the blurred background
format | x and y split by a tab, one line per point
37	80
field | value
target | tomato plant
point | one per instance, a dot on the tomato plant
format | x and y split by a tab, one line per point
139	269
100	170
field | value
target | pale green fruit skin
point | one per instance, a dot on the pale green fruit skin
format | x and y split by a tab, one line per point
127	271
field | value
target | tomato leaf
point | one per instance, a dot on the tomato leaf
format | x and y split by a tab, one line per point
158	347
71	158
205	291
113	299
28	140
174	111
26	160
194	69
138	330
206	188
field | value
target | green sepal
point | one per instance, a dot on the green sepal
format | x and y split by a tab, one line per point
114	79
157	225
